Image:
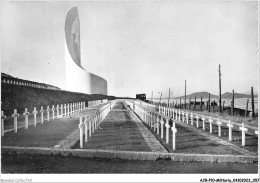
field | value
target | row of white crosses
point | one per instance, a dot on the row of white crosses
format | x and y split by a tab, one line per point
156	121
88	125
178	114
68	110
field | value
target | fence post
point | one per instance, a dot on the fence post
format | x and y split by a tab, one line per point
230	126
81	126
246	108
26	118
3	117
41	114
174	131
244	130
48	113
35	113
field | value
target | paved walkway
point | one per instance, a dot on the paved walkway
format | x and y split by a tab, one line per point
122	130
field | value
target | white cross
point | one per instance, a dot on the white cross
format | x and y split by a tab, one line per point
53	112
203	122
197	121
174	131
3	117
65	112
187	118
183	117
210	124
68	109
256	132
41	114
26	118
219	127
157	124
162	123
230	126
48	113
15	115
89	122
86	127
71	112
154	122
34	114
244	130
81	126
179	115
61	112
191	119
167	130
58	115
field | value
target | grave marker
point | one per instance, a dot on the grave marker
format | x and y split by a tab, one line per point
58	115
197	121
167	131
244	130
162	123
3	117
191	119
219	127
26	118
230	126
53	112
81	126
203	122
15	115
210	124
48	113
86	128
187	117
174	131
41	114
157	125
65	112
61	110
34	114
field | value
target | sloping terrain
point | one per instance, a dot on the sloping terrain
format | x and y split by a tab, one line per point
20	97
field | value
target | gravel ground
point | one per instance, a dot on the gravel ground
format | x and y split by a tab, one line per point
47	134
117	132
58	164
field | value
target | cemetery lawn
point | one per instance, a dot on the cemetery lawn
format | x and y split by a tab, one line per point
57	164
47	134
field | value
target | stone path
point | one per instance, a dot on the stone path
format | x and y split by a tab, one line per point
122	130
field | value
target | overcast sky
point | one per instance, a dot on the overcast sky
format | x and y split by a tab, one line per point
137	47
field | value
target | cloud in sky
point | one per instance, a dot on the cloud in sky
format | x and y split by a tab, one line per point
138	47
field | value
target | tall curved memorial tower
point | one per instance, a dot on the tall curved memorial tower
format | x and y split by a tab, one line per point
77	78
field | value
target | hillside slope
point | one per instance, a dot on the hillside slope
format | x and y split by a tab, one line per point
203	94
20	97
